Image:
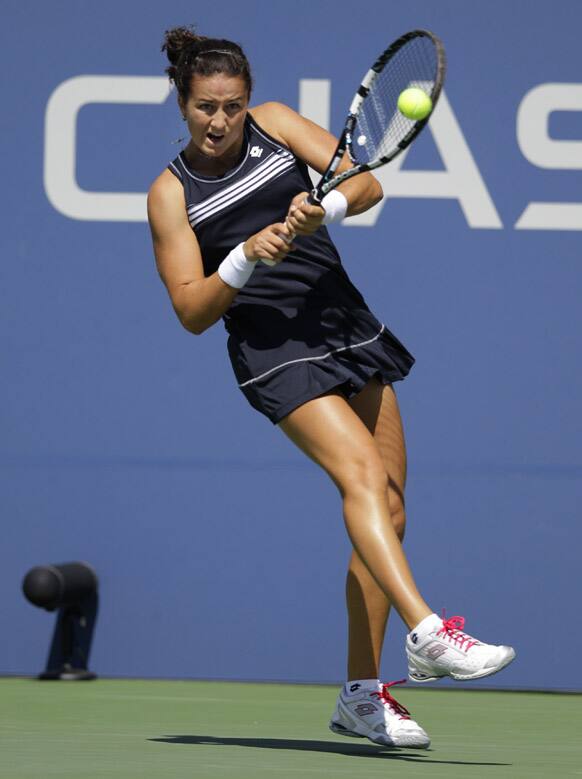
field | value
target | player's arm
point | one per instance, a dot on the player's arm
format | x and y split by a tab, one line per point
199	301
315	146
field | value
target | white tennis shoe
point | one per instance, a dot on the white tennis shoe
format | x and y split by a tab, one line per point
438	647
376	715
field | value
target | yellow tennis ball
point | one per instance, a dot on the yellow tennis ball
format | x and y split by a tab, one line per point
414	103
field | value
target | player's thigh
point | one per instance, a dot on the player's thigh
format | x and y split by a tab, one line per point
377	407
332	434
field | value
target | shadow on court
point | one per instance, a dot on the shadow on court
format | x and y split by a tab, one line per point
351	750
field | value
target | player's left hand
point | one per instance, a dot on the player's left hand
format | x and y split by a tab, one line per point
303	218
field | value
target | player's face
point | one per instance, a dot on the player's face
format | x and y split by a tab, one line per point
215	112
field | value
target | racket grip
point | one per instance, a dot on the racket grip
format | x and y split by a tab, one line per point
313	201
269	262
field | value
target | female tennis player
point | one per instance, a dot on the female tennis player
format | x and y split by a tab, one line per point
306	350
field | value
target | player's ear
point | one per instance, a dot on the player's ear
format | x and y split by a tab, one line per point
181	106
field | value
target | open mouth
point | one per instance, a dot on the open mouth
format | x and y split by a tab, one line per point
214	138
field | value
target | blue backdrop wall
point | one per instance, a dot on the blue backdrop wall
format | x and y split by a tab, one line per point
124	440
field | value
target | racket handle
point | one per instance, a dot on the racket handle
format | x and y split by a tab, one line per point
312	200
289	238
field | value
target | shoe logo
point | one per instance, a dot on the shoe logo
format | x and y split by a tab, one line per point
435	652
414	638
256	151
355	687
365	708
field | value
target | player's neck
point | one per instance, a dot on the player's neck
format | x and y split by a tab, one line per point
213	166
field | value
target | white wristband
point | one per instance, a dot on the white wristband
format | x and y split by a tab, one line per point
335	206
235	270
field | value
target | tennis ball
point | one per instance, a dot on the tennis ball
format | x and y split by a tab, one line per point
414	103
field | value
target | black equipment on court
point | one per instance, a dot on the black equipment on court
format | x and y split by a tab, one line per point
72	589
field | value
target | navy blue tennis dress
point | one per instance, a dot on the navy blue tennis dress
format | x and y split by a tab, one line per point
300	328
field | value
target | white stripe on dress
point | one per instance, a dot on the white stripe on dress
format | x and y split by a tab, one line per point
196	216
266	165
226	190
177	171
306	359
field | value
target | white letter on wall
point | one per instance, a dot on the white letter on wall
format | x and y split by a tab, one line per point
60	179
544	152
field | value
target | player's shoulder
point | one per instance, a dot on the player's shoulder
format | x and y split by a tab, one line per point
165	193
274	118
165	187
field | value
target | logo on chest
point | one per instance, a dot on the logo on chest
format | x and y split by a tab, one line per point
256	151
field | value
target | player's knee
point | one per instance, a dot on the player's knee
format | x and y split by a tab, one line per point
362	474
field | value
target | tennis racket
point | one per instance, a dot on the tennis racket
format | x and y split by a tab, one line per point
375	130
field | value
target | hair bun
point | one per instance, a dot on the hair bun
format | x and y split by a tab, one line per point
177	39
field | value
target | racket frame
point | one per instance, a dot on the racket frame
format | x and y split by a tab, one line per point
330	179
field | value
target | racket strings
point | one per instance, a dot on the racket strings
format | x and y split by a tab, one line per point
380	126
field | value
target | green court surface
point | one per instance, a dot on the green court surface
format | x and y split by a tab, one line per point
211	730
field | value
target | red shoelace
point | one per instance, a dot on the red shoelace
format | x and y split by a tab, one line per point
452	628
386	698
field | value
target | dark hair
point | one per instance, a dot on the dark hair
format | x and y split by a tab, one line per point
190	54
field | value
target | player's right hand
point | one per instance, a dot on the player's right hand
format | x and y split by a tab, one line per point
269	244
